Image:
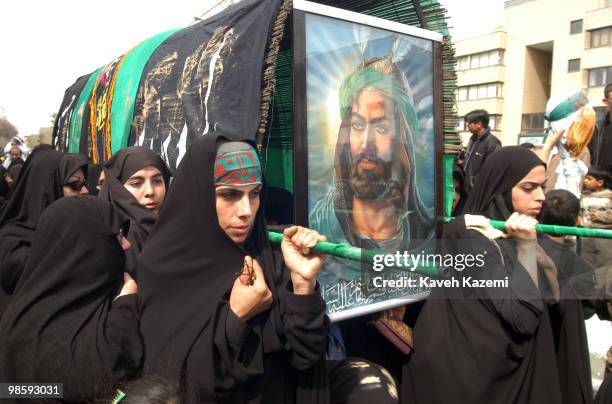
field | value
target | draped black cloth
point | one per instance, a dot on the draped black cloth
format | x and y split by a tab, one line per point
40	183
4	187
186	272
62	325
577	281
485	345
125	163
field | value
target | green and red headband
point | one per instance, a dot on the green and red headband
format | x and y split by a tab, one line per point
238	168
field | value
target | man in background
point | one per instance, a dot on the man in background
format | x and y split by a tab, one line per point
601	143
481	145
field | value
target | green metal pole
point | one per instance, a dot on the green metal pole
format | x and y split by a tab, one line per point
562	230
354	253
556	230
367	256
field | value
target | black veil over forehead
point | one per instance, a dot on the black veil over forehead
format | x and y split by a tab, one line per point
189	265
498	175
69	164
128	161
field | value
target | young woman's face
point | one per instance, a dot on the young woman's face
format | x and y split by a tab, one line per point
148	187
528	194
75	185
236	209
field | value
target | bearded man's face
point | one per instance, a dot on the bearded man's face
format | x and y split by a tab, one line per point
372	133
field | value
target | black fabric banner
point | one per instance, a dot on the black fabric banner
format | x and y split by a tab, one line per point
205	77
61	128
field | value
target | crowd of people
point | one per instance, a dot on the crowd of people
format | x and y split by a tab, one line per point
127	285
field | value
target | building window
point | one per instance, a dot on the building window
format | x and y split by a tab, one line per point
478	60
600	76
532	122
463	63
573	65
495	122
575	27
601	37
479	92
605	3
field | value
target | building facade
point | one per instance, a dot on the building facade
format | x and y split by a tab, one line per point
543	48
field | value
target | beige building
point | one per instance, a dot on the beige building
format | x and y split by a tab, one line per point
544	47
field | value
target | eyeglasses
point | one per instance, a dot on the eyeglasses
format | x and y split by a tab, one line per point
75	185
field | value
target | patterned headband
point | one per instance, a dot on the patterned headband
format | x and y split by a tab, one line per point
238	168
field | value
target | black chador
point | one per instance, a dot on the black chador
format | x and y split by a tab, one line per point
65	323
493	345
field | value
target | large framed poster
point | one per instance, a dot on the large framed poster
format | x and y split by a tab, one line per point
368	144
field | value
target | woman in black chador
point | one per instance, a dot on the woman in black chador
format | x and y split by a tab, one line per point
494	344
73	317
136	180
46	176
222	313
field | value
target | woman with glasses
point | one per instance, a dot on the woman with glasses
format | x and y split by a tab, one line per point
135	181
46	176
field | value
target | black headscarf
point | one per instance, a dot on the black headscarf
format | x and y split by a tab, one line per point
117	171
93	175
4	187
39	184
186	272
492	193
62	324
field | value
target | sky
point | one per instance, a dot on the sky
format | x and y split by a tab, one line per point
46	45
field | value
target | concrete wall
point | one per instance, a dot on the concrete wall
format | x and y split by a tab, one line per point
536	87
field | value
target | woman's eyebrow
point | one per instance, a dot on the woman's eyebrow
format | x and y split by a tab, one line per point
136	177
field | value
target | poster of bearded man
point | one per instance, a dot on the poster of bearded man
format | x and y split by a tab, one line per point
371	175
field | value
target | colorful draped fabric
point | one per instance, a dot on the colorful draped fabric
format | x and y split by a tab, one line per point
174	87
99	112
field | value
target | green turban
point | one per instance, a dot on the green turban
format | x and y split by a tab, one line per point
369	77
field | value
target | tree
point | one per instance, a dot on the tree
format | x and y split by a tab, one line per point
7	131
